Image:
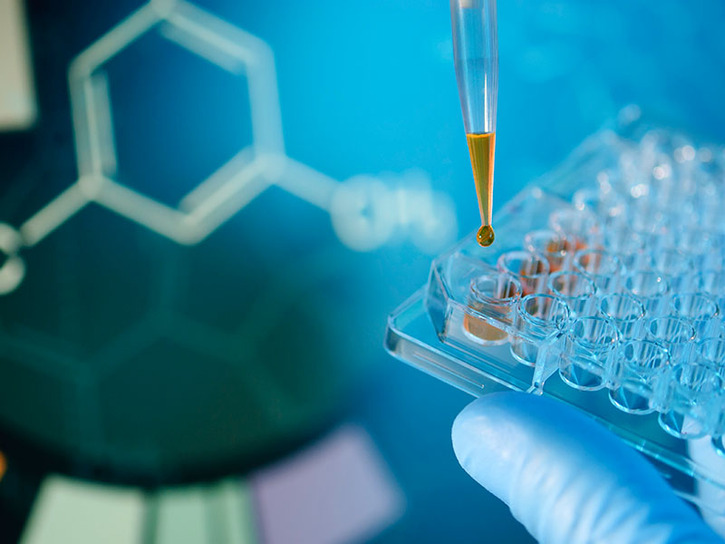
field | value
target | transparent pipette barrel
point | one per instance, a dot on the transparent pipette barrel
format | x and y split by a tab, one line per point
475	53
475	47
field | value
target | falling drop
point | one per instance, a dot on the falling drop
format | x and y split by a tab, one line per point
485	235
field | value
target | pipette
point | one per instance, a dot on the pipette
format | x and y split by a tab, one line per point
475	51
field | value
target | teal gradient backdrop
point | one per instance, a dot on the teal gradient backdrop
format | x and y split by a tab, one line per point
271	328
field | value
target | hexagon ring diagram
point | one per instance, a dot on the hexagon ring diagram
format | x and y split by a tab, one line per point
234	184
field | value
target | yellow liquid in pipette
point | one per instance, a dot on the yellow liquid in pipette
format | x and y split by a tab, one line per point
482	148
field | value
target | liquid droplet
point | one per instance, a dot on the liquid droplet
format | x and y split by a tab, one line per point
485	236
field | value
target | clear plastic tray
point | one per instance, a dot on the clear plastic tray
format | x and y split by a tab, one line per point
466	340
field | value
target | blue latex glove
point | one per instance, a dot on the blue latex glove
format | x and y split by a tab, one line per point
567	478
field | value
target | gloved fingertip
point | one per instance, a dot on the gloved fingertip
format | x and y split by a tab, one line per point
567	478
474	434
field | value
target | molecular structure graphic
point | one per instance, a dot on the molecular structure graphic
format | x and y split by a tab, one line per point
366	212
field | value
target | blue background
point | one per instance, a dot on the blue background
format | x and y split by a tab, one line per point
364	88
381	73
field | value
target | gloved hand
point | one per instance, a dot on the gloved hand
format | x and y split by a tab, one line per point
567	478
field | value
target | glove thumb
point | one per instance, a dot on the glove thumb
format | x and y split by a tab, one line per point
566	478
